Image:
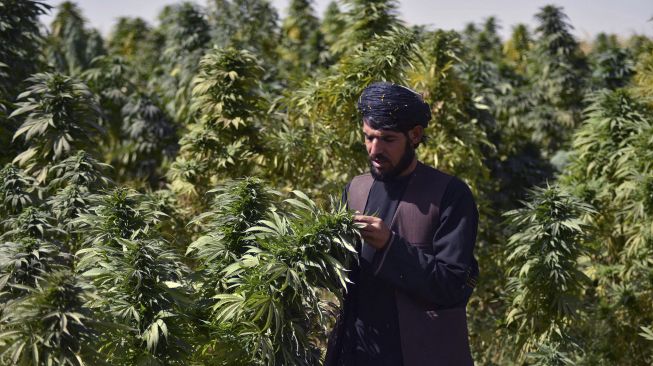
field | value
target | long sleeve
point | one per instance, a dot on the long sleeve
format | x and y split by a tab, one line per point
441	276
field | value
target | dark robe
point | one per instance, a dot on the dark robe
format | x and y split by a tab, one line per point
368	332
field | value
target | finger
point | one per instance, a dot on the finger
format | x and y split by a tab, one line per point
368	229
364	218
362	224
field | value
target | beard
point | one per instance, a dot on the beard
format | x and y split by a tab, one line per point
403	164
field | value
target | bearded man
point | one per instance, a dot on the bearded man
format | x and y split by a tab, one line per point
416	269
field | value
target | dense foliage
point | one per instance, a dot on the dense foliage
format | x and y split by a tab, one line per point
151	183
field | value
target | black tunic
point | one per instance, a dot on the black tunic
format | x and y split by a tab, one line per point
371	327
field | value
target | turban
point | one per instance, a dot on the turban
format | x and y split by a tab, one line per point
387	106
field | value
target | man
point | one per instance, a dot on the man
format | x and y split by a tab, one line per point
416	267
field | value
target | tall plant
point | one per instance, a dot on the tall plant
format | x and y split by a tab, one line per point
610	168
302	42
546	282
21	40
60	118
73	183
138	43
518	45
149	140
485	42
224	143
71	46
16	191
109	77
613	66
271	308
557	70
251	25
331	27
365	20
140	280
52	325
236	207
186	34
19	58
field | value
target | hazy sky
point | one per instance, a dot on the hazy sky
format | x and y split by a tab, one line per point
588	17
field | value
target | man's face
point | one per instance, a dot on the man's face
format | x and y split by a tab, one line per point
390	153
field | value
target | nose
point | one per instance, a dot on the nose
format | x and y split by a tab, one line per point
376	147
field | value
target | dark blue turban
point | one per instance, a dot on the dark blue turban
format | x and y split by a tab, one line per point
387	106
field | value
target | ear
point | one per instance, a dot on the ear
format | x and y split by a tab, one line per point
415	134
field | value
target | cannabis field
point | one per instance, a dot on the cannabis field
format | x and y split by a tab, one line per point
169	194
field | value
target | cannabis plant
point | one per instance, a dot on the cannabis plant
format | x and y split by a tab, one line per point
608	153
363	21
16	191
332	26
545	278
60	116
302	42
557	71
149	140
51	325
80	170
32	222
484	43
71	47
457	143
273	303
236	207
229	108
19	58
140	280
24	263
134	40
109	78
643	78
613	68
21	41
119	214
73	183
610	168
251	25
186	35
517	46
141	288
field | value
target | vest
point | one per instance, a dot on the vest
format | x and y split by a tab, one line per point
430	336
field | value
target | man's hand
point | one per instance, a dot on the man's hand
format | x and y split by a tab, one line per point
373	230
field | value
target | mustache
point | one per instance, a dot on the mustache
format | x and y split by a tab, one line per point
379	157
